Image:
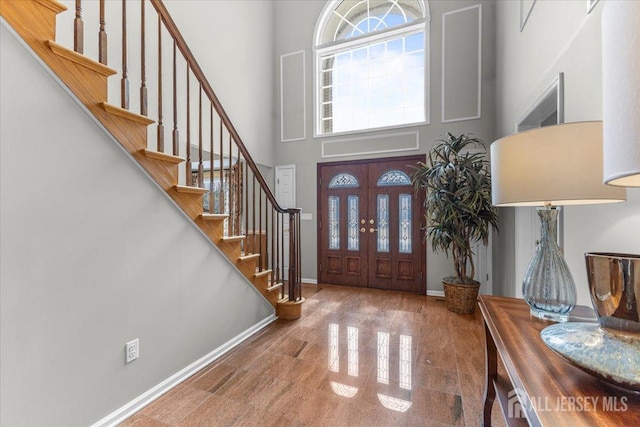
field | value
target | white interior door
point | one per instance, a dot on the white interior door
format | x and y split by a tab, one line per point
286	198
286	186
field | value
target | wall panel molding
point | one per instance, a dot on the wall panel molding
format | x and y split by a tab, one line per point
371	144
293	97
462	64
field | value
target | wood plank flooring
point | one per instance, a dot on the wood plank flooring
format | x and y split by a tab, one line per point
358	357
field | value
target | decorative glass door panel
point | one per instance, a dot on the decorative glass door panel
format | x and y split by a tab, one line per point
339	225
382	206
334	222
353	244
405	239
369	225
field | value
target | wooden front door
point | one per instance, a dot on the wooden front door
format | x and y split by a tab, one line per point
370	225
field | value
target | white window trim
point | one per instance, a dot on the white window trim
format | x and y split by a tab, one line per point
320	49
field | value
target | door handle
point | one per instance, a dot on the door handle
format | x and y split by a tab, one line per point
363	230
373	230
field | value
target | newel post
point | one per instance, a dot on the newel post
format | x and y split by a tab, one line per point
295	290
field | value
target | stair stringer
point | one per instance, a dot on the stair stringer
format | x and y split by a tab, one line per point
86	82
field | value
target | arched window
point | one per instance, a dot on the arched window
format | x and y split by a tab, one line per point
371	68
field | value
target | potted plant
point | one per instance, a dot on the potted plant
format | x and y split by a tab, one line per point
458	211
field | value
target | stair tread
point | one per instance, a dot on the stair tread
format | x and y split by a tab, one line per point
233	238
189	189
274	287
162	156
263	273
214	217
248	257
80	59
129	115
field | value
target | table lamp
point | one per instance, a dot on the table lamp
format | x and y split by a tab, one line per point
548	167
621	92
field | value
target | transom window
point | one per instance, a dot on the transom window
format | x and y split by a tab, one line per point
370	65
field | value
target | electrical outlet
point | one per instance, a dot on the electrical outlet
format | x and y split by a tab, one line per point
132	350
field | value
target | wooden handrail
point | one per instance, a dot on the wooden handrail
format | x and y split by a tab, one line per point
172	28
240	191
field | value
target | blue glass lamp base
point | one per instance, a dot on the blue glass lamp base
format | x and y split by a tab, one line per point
548	286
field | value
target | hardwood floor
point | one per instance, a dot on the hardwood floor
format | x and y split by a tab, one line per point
358	357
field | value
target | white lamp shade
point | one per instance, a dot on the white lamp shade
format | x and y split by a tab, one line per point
621	92
557	165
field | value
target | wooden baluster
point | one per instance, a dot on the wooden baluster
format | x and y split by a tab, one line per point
278	252
292	257
176	135
230	185
260	248
253	212
298	256
238	221
295	289
294	260
246	199
143	73
200	166
78	29
273	236
160	122
222	174
102	37
283	272
239	204
264	241
189	178
211	168
124	82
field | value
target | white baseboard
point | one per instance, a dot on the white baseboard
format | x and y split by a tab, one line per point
121	414
435	293
310	281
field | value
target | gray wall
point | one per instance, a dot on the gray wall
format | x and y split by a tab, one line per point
93	255
295	22
559	36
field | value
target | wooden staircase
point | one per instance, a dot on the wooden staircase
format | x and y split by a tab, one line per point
35	22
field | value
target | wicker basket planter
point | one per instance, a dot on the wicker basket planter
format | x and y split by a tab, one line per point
461	298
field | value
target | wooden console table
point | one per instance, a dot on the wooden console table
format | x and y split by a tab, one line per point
540	388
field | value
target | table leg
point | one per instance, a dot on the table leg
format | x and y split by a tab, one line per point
491	367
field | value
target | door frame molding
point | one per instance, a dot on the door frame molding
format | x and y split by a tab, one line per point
319	204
